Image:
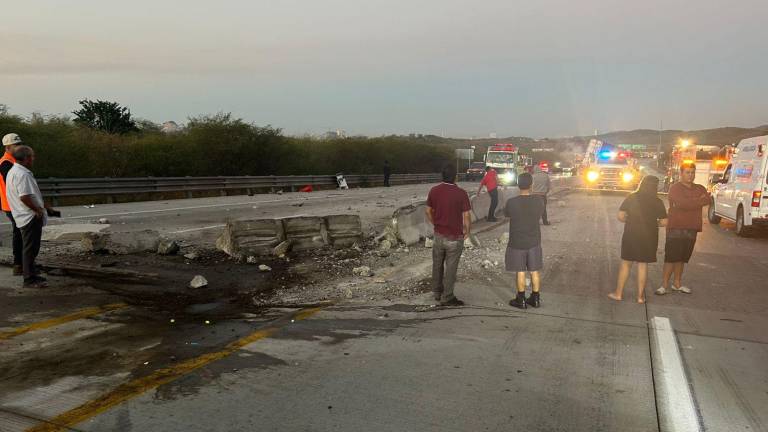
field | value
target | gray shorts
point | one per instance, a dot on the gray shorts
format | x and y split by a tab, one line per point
520	260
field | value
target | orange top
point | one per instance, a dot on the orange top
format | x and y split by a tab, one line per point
6	163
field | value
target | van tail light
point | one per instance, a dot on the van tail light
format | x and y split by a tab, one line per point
756	195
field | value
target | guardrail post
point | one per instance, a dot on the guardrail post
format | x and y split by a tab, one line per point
189	192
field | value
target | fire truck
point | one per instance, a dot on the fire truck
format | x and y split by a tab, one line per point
705	157
608	167
506	160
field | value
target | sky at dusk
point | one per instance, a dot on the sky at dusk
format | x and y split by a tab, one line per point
447	67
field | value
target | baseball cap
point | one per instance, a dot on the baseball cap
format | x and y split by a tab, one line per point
11	139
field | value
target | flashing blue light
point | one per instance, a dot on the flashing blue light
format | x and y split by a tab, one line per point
605	155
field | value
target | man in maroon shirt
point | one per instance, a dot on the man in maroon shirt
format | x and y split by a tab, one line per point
686	200
448	209
491	183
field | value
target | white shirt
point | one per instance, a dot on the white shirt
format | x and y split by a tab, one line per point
20	182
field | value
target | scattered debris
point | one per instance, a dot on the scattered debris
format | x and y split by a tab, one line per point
264	268
428	243
385	245
252	260
198	282
191	256
364	271
504	238
103	221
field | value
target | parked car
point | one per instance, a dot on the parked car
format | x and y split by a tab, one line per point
476	171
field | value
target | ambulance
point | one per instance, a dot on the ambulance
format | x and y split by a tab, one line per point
742	194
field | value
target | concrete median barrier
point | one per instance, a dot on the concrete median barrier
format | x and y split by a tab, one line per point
304	232
258	237
482	203
251	237
410	223
343	230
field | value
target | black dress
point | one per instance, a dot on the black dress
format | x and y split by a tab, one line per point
641	230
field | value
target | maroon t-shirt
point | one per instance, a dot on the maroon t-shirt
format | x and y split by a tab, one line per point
448	203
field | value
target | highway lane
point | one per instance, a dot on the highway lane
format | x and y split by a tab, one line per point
580	363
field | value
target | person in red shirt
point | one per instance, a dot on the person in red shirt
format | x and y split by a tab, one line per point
686	199
491	183
449	210
10	142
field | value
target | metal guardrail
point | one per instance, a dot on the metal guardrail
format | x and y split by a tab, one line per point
55	188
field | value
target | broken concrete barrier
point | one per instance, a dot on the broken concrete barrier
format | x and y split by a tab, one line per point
305	232
251	237
121	243
258	237
70	232
410	223
482	203
342	231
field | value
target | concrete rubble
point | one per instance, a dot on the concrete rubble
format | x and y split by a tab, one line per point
167	247
198	282
264	268
428	242
363	271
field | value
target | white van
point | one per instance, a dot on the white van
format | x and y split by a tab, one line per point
742	194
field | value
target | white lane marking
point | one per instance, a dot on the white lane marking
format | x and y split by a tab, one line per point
197	229
677	410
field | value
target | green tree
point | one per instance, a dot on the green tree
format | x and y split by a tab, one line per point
105	116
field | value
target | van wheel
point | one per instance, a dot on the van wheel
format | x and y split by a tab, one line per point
741	230
713	218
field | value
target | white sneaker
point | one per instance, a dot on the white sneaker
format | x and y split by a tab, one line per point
661	291
682	289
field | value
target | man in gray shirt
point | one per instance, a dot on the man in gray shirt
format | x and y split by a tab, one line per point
541	185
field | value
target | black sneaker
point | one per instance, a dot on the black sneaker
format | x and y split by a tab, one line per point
518	302
452	302
534	300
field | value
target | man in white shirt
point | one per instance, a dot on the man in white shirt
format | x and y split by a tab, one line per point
29	211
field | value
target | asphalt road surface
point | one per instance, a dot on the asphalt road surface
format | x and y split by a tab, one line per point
581	362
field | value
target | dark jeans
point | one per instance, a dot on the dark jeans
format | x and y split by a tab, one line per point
31	234
386	180
446	254
544	215
17	241
494	202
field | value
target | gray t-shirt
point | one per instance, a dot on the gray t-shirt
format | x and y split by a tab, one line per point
524	213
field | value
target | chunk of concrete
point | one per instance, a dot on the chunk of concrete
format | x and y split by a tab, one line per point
504	238
167	247
410	223
282	248
198	282
428	243
363	271
264	268
251	237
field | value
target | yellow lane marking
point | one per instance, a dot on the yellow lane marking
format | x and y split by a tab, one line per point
53	322
157	378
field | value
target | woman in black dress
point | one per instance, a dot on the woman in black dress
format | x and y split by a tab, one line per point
642	213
